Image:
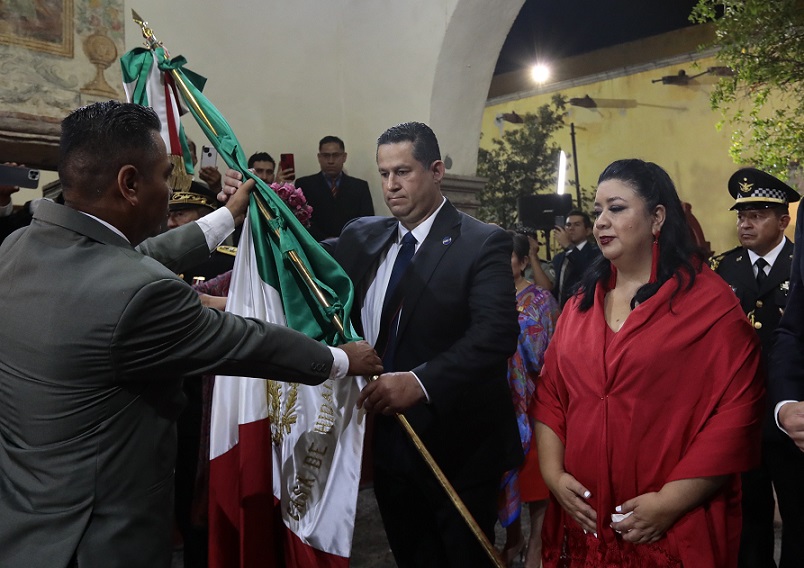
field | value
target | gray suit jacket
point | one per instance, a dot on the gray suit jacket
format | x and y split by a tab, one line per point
95	338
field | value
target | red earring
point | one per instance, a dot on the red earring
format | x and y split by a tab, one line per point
654	261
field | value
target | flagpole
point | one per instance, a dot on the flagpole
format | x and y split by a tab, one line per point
152	43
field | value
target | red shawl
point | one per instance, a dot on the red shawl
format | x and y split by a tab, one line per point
676	394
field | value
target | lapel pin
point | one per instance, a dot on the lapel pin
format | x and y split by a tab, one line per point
446	240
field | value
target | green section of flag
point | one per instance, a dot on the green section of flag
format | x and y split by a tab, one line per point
137	65
302	309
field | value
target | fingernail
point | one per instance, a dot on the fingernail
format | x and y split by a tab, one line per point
619	508
586	494
585	531
595	534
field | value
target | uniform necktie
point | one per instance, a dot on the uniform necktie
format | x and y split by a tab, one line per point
403	258
333	187
761	263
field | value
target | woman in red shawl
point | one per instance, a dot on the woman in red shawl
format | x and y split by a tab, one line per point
650	397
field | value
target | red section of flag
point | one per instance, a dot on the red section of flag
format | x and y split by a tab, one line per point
172	102
302	555
244	522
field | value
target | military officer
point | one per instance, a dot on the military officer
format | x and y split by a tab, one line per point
759	273
191	205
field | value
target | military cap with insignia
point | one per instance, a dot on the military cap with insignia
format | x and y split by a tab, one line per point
199	195
755	189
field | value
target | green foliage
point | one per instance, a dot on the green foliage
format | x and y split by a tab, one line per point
523	161
762	41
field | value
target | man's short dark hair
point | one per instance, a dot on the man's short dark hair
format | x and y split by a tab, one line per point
331	140
260	157
425	143
587	220
99	139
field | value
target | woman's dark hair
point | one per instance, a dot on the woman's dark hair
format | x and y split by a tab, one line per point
678	257
521	245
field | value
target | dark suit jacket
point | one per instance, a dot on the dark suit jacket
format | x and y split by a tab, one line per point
579	261
787	358
762	305
330	214
95	340
457	330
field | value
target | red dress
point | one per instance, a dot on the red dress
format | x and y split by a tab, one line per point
675	394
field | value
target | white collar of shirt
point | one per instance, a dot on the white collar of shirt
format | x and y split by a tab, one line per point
105	224
580	245
770	258
422	229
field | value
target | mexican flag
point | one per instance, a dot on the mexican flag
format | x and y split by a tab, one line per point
284	458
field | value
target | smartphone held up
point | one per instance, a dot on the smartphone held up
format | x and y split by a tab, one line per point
209	157
287	164
19	176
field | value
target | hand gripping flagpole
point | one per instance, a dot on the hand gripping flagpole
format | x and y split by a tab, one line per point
152	43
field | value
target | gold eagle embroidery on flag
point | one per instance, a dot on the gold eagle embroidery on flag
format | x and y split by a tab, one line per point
282	419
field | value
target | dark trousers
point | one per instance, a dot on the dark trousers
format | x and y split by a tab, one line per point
187	448
425	529
783	469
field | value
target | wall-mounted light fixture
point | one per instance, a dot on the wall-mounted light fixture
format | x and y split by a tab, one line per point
511	117
584	102
681	78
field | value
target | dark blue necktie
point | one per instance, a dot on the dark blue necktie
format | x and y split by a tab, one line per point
403	258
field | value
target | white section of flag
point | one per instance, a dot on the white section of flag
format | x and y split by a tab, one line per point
317	463
162	100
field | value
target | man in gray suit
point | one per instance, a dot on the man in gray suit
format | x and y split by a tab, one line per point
94	342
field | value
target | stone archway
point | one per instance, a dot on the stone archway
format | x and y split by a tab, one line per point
471	45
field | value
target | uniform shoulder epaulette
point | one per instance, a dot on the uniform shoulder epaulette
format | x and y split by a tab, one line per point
224	249
715	260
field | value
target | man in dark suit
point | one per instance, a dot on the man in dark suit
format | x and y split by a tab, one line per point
336	198
578	254
95	340
787	359
759	273
446	325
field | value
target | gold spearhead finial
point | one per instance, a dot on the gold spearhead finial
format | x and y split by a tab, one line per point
150	39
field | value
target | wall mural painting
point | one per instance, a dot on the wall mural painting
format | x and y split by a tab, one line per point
56	55
39	25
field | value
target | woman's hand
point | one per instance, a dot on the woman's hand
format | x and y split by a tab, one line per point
573	499
651	516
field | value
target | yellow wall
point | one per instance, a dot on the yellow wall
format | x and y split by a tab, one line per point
671	125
